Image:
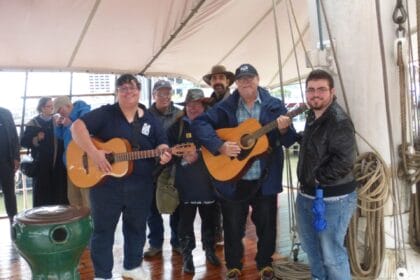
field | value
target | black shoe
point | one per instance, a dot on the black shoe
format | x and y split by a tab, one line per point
152	252
233	274
177	250
212	258
267	273
188	265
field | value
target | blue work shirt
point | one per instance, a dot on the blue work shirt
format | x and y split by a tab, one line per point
108	122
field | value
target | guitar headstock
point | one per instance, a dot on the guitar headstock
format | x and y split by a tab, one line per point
180	149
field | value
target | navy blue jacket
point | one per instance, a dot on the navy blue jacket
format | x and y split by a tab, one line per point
108	121
193	180
223	115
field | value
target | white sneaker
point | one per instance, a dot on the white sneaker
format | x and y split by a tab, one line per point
137	273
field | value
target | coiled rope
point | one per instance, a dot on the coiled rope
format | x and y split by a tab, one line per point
366	259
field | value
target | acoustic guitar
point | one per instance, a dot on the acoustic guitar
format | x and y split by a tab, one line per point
253	141
84	174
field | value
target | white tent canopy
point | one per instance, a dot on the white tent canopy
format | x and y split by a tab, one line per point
154	38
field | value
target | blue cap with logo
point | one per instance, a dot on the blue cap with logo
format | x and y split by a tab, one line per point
245	70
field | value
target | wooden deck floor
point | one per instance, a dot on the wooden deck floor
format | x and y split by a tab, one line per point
166	267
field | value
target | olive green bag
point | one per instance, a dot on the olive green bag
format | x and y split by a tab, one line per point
167	197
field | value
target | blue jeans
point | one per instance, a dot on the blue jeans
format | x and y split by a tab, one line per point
132	197
155	223
326	252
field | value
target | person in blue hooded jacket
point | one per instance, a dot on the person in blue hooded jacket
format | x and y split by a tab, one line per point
65	113
261	183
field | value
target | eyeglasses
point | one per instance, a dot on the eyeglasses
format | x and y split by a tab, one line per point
164	94
127	89
317	90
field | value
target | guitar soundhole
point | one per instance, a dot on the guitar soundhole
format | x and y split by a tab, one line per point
110	158
247	142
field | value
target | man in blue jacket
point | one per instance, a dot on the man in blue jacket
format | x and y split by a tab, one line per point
261	183
66	113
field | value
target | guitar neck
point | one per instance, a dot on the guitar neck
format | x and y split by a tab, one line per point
273	124
138	155
265	129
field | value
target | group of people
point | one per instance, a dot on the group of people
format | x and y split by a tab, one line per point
45	137
327	155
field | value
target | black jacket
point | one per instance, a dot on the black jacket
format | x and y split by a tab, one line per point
327	153
11	134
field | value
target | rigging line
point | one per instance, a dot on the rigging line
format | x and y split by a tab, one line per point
294	51
337	65
418	66
300	35
289	55
318	13
279	63
340	76
396	208
412	84
172	37
247	34
84	31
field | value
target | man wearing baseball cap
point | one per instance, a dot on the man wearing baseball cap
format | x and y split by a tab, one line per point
259	185
164	110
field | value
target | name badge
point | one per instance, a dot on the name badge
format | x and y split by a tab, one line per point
145	130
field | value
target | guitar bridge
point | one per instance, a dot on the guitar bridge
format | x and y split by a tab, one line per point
85	162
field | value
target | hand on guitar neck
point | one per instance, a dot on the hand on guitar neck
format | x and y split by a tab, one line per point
283	123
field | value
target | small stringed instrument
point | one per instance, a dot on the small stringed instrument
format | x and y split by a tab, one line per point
252	140
84	174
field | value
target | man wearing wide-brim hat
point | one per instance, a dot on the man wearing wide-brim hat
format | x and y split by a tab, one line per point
220	80
195	94
194	186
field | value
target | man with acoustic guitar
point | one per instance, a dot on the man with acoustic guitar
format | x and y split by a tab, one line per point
130	195
258	185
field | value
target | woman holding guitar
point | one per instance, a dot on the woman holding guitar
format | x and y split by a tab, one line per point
258	185
130	195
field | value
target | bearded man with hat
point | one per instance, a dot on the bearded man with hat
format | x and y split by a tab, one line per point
194	185
220	80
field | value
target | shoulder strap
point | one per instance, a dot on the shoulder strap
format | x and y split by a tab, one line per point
181	128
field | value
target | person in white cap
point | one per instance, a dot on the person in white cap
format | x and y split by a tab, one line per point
65	113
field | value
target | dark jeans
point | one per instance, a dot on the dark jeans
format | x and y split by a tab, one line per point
131	197
264	215
155	224
187	213
7	182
